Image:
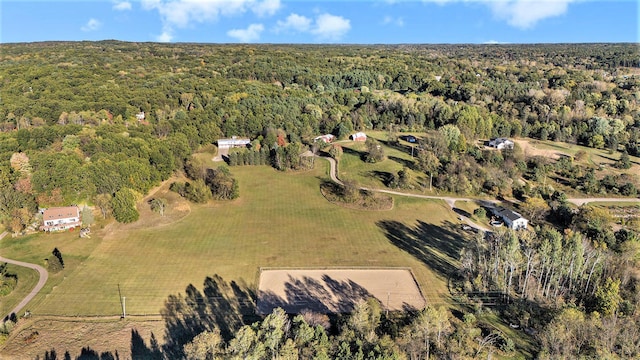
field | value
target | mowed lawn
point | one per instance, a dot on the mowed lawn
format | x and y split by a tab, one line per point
280	220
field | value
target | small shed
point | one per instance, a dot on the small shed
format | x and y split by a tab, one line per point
359	136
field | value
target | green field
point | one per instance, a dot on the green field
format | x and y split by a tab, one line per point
372	175
280	220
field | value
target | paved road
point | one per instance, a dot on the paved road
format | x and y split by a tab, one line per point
451	200
43	279
582	201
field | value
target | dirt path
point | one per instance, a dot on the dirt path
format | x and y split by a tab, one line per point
449	200
44	275
452	200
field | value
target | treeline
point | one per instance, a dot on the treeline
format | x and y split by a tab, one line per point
69	111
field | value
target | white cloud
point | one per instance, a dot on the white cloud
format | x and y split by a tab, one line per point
391	20
250	34
187	13
494	42
294	22
325	27
91	25
523	14
267	7
121	5
166	36
330	27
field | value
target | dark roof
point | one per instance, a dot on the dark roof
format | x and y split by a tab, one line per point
508	214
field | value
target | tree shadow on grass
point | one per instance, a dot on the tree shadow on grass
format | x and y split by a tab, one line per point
438	247
326	296
221	305
404	162
359	154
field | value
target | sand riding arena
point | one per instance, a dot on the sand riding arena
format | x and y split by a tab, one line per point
337	290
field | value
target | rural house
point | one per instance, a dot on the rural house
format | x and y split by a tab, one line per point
512	219
233	142
327	138
60	218
359	136
501	143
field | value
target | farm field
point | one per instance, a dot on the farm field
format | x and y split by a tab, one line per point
280	220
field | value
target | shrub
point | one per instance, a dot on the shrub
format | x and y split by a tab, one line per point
480	212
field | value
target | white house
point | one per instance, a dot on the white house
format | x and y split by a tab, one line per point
512	219
359	136
60	218
501	143
233	142
140	116
327	138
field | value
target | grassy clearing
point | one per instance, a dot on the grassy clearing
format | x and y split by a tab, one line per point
595	157
351	165
281	219
27	280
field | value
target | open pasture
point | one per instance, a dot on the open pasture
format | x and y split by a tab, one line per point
280	220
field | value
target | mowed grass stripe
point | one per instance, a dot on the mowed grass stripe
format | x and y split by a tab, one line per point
281	220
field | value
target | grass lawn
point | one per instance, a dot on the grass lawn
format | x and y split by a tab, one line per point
27	280
280	220
351	165
595	157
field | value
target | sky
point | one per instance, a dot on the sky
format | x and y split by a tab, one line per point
324	21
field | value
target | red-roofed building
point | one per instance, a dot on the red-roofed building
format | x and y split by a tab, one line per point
60	218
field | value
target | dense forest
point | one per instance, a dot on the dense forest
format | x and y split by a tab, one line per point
71	132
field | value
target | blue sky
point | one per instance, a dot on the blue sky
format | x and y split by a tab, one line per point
328	21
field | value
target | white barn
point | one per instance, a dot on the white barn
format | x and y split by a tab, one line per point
233	142
501	143
359	136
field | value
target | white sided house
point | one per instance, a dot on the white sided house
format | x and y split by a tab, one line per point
233	142
60	218
512	219
501	143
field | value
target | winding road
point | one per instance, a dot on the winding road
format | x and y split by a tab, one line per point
44	275
452	200
334	177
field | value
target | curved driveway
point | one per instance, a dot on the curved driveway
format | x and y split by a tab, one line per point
43	279
451	200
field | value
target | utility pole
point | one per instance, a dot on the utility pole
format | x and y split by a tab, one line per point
122	300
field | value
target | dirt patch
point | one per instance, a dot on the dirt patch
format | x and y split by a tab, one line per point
337	290
529	149
33	337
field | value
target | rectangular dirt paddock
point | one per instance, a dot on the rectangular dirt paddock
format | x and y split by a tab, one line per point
337	290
